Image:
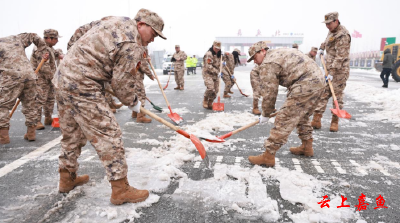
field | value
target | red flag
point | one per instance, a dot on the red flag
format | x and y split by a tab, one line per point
356	34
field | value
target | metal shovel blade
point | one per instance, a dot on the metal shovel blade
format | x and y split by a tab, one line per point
157	108
175	118
340	113
166	86
200	148
218	106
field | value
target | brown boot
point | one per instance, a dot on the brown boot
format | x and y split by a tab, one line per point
334	124
31	133
181	88
48	120
114	110
305	148
69	180
210	103
39	126
123	193
141	118
177	88
116	106
205	103
134	114
226	95
4	136
255	108
316	122
230	92
266	159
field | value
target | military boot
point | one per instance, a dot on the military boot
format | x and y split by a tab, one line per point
210	103
134	114
177	88
226	95
31	133
4	136
69	180
230	92
334	124
141	118
316	122
181	88
255	108
48	120
39	126
205	103
266	159
123	193
305	148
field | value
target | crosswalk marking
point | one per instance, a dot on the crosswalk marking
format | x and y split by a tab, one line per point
338	167
317	166
219	160
238	159
297	165
197	164
380	168
362	171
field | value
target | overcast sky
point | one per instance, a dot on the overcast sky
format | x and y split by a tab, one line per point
195	24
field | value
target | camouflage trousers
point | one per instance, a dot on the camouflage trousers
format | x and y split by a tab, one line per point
255	84
45	97
211	81
140	89
179	71
228	81
295	112
90	118
338	84
26	92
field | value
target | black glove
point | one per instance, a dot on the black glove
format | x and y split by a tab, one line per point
173	59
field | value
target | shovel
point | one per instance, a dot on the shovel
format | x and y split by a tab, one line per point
169	76
154	106
218	106
196	141
337	111
18	101
236	83
173	116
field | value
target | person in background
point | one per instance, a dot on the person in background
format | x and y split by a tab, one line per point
388	61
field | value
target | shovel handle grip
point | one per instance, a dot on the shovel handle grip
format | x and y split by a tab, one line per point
159	119
14	108
159	84
329	81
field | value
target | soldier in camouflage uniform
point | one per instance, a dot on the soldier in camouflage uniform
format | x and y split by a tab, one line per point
179	58
228	73
295	46
337	46
211	69
17	80
305	82
45	92
312	53
110	51
256	85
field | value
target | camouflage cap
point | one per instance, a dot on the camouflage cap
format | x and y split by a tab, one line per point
330	17
152	19
315	49
51	33
177	46
256	47
217	44
295	45
237	50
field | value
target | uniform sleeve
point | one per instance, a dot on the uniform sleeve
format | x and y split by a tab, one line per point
342	48
183	56
322	47
28	38
145	68
35	58
269	87
208	64
124	80
80	32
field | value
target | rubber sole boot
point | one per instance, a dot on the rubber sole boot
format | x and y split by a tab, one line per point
305	148
48	120
210	103
205	103
39	126
266	159
114	110
226	95
123	193
141	118
255	108
69	181
316	122
181	88
177	88
31	133
4	136
230	92
134	114
334	124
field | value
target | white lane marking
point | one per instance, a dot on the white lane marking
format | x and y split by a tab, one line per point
338	167
380	168
238	159
362	171
219	160
197	164
297	165
317	166
30	156
89	158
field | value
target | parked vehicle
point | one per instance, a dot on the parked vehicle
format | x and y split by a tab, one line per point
167	65
199	62
394	48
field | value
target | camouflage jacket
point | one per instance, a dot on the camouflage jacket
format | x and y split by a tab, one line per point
211	63
49	67
311	56
144	68
230	63
181	56
289	68
110	51
337	46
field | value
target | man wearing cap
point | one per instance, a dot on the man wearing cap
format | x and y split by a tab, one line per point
179	68
45	89
312	53
337	46
295	46
211	69
17	80
305	83
110	51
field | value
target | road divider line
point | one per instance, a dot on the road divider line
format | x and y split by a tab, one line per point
338	167
30	156
89	158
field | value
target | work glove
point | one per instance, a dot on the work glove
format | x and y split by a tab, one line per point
220	75
321	52
330	77
232	77
263	119
136	108
224	63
